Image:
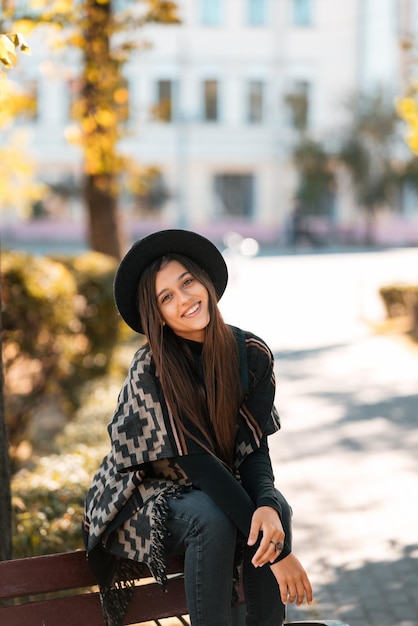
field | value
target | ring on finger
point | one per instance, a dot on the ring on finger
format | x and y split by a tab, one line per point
278	546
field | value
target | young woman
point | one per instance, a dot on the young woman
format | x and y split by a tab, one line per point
189	470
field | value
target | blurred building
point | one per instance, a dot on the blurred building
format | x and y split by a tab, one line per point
217	104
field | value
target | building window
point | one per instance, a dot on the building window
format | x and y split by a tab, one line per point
211	106
302	12
257	12
210	12
164	109
234	194
255	94
298	105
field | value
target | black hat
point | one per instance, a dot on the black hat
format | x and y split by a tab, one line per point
145	251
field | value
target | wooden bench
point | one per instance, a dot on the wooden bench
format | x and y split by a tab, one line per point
68	596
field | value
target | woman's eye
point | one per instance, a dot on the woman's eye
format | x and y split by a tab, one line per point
165	298
188	281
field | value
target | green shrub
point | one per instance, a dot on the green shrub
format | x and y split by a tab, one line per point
48	498
60	328
402	301
38	297
62	338
48	504
399	300
97	318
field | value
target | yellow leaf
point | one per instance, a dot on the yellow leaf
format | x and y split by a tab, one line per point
407	107
121	95
105	118
88	125
19	42
24	26
18	186
7	51
64	7
76	39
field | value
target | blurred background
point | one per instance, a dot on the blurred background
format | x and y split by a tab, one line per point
272	118
287	132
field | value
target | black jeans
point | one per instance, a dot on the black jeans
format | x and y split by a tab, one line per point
200	530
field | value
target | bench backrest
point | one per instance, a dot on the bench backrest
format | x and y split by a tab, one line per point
57	575
60	590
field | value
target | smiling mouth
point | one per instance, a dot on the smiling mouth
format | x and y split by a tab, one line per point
193	309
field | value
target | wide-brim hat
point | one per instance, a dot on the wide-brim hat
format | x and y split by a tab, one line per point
154	246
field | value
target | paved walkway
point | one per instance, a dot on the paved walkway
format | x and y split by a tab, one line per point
347	458
347	455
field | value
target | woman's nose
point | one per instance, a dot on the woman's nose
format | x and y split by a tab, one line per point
183	296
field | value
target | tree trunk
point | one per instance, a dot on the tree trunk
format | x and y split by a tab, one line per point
5	492
101	77
104	227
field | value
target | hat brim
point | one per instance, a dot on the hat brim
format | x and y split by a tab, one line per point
143	252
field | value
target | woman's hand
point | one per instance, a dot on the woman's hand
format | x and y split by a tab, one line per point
267	520
293	581
291	577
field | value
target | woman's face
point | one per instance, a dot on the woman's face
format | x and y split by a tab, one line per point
183	301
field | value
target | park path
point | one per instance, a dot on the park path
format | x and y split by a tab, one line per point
347	455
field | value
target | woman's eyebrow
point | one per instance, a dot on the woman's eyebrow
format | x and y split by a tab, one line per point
178	280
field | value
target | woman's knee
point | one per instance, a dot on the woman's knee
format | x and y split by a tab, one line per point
198	511
197	525
209	518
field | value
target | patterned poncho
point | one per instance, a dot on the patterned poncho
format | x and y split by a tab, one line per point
126	505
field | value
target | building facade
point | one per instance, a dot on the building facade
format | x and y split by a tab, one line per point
216	104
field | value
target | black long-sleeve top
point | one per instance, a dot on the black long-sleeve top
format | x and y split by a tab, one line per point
237	499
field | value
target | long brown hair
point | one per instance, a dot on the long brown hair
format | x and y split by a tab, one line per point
211	408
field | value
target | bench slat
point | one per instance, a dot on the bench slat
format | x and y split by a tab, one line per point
52	572
147	598
64	611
